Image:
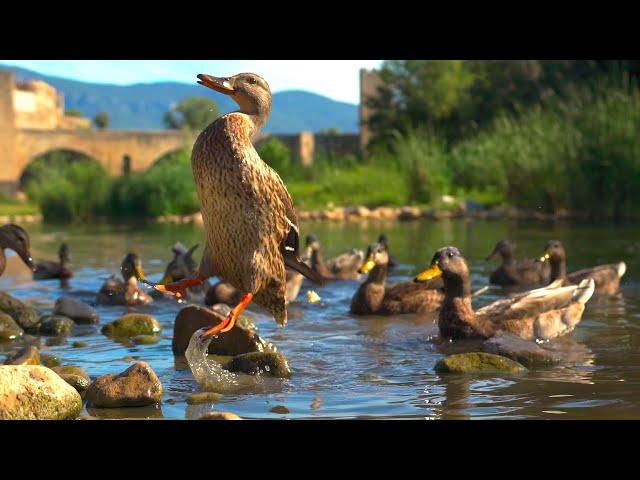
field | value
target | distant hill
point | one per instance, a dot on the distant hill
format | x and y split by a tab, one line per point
142	106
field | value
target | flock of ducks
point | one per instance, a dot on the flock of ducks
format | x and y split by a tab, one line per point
252	241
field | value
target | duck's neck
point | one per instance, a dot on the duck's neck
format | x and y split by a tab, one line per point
457	286
317	262
257	113
378	275
507	258
558	269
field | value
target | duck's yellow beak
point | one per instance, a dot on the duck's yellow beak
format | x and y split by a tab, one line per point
546	256
219	84
368	265
432	272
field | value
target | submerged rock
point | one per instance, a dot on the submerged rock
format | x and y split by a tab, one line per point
76	310
30	392
137	386
131	325
243	338
56	325
477	362
28	318
267	363
79	344
281	409
29	355
220	416
526	352
9	329
203	397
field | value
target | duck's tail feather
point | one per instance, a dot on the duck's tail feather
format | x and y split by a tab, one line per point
301	267
584	291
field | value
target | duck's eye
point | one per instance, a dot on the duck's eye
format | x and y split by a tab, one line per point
450	254
252	80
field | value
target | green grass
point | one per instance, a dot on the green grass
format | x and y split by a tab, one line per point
18	208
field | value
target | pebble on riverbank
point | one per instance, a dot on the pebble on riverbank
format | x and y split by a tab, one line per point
137	386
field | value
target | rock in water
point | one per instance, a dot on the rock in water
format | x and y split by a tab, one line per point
477	362
9	304
526	352
56	325
220	416
242	338
137	386
26	356
30	392
28	319
131	325
267	363
9	329
76	310
203	397
77	377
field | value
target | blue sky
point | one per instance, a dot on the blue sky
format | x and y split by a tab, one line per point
336	79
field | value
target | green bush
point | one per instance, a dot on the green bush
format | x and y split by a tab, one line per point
277	155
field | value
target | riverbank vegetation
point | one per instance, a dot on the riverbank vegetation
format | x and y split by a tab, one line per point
548	136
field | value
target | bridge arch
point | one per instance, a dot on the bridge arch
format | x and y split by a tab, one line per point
53	159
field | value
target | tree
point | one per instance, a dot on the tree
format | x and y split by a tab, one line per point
194	113
329	131
101	120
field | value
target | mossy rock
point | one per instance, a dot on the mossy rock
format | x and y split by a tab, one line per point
219	416
267	363
478	362
145	339
203	397
9	304
49	360
28	318
71	370
9	329
131	325
29	355
56	325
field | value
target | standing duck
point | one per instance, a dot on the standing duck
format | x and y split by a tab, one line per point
48	269
125	290
184	266
538	314
517	273
372	297
17	239
343	267
606	277
248	215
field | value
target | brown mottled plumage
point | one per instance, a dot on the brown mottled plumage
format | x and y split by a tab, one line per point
407	297
48	269
606	277
125	290
343	267
517	273
17	239
543	313
249	220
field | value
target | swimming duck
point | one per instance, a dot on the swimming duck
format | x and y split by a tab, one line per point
606	277
514	272
248	215
393	262
543	313
372	297
343	267
48	269
125	290
184	266
17	239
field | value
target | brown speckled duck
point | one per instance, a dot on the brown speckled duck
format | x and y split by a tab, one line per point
606	277
343	267
125	290
248	215
17	239
48	269
372	297
514	272
538	314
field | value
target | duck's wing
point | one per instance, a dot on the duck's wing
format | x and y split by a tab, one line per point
347	262
412	297
602	274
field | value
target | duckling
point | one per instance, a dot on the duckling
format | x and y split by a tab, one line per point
407	297
606	277
248	215
343	267
47	269
17	239
223	292
543	313
393	262
125	290
517	273
184	266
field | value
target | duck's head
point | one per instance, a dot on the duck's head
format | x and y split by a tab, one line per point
63	253
182	266
504	248
553	252
449	264
382	239
376	255
312	243
250	91
17	239
131	267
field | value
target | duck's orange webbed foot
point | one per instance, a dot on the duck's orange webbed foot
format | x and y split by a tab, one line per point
228	323
179	288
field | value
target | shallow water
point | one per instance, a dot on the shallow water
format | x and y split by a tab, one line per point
373	367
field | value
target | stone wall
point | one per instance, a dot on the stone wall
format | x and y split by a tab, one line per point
369	83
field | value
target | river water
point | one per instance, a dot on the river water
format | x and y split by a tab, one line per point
366	367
